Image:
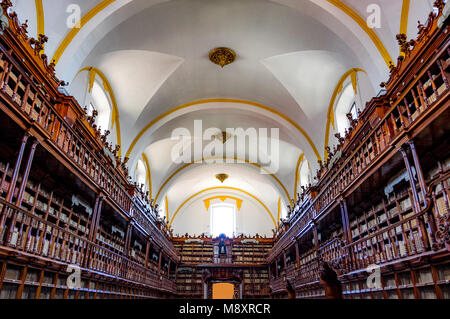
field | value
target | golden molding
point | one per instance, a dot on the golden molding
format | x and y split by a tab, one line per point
222	56
223	198
222	177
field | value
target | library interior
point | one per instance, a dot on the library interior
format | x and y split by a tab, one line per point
224	149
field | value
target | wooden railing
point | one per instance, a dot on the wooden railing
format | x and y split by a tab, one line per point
31	235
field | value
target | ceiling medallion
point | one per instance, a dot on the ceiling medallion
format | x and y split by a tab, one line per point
222	136
222	177
222	56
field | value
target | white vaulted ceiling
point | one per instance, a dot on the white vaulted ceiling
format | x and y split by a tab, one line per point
291	54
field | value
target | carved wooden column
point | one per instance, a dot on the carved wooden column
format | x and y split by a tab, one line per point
128	239
345	221
416	206
147	251
160	261
95	219
176	273
92	237
418	171
316	237
297	255
347	233
15	174
411	179
423	189
168	269
26	173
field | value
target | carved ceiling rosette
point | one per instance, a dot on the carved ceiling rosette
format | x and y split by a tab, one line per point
222	56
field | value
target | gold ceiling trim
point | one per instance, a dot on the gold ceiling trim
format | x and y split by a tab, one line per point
404	19
40	20
223	198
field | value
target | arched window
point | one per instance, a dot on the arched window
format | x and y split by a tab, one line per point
346	104
99	101
140	173
305	174
223	220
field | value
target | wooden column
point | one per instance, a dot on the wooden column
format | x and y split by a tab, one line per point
160	261
415	198
316	237
431	218
128	239
418	171
176	272
15	174
345	221
168	269
147	251
26	174
411	179
95	219
297	255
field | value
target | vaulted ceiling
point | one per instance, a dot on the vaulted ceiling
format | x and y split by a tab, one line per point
292	56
